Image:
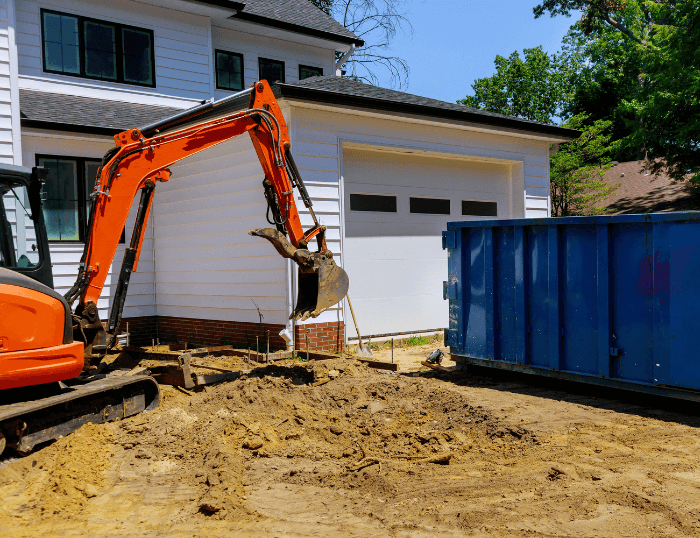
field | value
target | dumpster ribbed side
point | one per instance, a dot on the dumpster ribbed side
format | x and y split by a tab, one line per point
607	300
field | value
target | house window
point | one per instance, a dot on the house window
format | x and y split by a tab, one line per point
380	203
306	71
95	49
229	70
475	208
67	200
271	70
430	206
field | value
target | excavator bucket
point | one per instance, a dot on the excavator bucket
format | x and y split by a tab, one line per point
321	282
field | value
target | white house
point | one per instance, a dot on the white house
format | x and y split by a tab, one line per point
386	170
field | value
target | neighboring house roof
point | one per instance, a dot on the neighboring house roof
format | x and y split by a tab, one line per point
345	91
641	192
299	16
85	114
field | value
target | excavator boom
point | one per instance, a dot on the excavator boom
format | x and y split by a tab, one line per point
141	159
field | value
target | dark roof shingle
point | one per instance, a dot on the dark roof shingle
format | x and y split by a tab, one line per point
296	15
54	110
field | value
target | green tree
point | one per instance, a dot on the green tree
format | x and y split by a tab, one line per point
577	171
599	77
661	39
529	88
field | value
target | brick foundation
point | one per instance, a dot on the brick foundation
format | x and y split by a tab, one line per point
321	336
141	330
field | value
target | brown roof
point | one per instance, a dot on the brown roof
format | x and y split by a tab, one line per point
641	192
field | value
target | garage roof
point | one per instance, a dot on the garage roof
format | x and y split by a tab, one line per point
348	92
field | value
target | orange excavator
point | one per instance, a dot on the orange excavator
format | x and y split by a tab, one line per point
51	381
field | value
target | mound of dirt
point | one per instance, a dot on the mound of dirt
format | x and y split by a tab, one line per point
60	478
333	424
357	419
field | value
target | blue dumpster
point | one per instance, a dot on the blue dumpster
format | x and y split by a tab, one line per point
610	300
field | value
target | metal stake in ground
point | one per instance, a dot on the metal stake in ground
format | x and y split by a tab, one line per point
392	351
307	345
267	355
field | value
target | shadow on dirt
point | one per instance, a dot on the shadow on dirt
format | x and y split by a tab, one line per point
621	401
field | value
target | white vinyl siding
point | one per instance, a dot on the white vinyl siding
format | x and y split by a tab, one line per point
183	59
253	46
9	111
537	196
207	266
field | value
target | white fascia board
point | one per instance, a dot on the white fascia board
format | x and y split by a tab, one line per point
277	33
71	86
58	135
423	120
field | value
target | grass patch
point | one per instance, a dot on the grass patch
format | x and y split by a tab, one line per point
412	341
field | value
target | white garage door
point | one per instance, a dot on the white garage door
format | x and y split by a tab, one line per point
396	207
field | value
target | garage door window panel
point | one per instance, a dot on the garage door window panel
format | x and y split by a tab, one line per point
430	206
478	208
377	203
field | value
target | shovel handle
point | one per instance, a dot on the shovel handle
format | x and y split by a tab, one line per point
354	320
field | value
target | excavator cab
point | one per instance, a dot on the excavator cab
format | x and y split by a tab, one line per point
24	248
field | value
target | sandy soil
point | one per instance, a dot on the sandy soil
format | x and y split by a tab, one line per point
368	453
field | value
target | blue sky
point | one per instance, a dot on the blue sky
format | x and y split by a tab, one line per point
455	42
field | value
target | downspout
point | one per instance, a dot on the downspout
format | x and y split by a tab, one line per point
344	58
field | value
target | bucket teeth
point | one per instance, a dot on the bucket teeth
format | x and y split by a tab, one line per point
322	283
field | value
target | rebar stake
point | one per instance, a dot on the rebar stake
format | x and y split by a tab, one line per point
267	355
392	351
307	346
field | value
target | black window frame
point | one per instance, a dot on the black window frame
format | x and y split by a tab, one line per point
82	195
368	197
260	77
216	70
414	211
312	68
483	213
81	55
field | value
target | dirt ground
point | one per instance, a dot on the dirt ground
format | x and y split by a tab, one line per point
368	453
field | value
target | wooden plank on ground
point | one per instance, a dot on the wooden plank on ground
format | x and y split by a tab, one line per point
435	366
380	365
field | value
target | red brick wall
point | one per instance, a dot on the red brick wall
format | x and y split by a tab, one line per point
321	336
172	330
213	332
141	330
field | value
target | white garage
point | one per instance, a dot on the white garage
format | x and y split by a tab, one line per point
396	207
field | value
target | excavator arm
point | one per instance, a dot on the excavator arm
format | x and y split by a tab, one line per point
141	159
